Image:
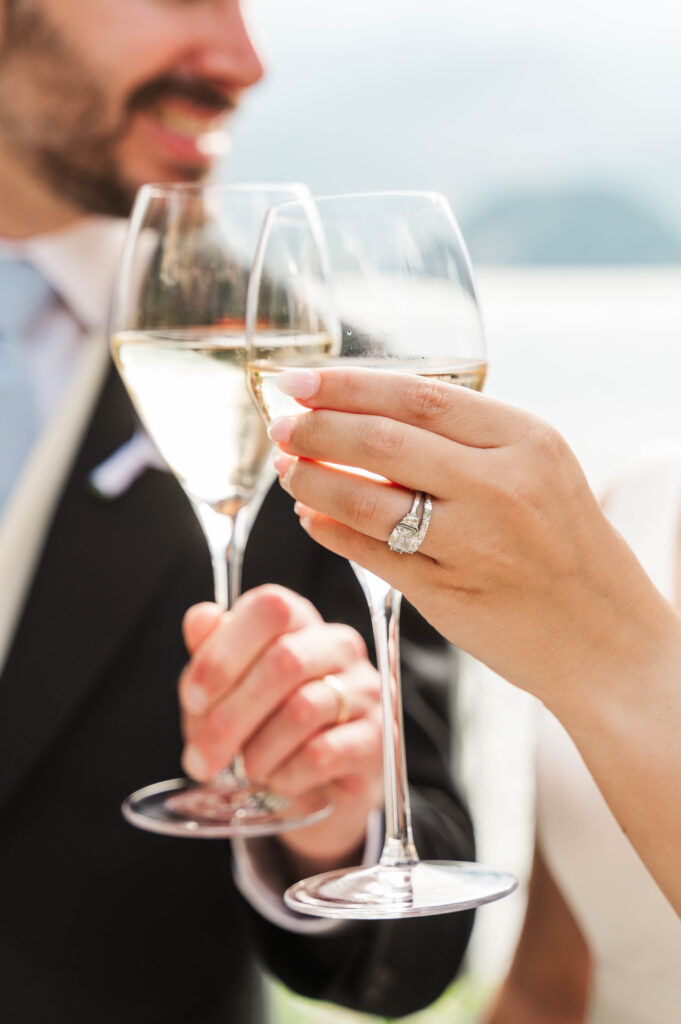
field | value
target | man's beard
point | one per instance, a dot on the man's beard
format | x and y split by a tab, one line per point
54	114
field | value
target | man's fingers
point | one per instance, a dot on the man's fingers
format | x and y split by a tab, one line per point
306	712
455	412
238	640
290	661
199	622
352	749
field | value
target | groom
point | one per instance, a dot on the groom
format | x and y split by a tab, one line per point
100	922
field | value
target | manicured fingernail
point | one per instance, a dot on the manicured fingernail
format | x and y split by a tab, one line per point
299	383
195	700
282	463
280	430
303	513
194	763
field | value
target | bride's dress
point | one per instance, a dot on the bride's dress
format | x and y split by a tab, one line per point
633	933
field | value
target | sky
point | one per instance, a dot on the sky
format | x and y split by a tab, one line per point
474	98
611	22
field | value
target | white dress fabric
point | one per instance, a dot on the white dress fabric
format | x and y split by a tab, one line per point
633	933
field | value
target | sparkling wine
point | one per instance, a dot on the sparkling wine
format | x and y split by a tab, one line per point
263	372
189	389
465	375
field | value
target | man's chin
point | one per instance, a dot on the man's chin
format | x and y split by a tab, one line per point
112	193
168	172
155	152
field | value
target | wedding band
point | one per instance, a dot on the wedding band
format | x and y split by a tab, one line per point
343	709
408	534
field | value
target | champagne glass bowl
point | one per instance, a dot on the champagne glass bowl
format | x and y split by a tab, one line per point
381	280
178	340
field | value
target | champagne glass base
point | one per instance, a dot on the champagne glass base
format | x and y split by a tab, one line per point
180	807
411	890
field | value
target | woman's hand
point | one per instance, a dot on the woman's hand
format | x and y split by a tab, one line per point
519	565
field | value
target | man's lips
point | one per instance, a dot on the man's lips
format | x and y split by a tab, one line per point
187	119
185	131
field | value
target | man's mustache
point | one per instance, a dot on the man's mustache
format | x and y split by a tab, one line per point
196	91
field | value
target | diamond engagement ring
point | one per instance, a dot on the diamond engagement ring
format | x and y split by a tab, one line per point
408	534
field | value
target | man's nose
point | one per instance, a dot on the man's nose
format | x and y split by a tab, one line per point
228	54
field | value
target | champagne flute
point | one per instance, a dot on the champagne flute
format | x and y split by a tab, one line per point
380	280
178	340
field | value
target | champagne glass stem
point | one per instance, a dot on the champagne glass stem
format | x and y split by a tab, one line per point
226	536
235	551
234	562
384	605
218	529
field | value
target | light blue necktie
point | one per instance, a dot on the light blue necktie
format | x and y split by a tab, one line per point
24	295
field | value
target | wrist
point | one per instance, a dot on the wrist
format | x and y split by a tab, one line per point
628	679
627	733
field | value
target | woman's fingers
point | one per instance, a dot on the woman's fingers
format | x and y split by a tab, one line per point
372	507
455	412
409	574
407	455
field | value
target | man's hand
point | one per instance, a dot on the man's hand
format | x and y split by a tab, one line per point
255	685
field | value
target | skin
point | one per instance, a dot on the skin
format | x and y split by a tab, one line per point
255	680
98	97
519	567
540	985
87	88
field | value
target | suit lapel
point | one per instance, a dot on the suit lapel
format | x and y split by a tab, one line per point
100	566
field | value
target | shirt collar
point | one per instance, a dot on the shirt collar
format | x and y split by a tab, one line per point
80	262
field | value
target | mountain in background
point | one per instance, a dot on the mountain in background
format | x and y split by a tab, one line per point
585	227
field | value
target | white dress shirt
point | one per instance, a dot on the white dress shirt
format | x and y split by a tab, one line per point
68	357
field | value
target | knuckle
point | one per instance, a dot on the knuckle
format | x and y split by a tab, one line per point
353	642
278	607
373	691
285	661
346	647
376	721
425	399
273	603
207	669
379	436
363	505
319	756
349	384
301	710
215	734
548	443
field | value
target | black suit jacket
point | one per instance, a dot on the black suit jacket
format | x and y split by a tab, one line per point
100	922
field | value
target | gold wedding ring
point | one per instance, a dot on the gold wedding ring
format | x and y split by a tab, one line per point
343	709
